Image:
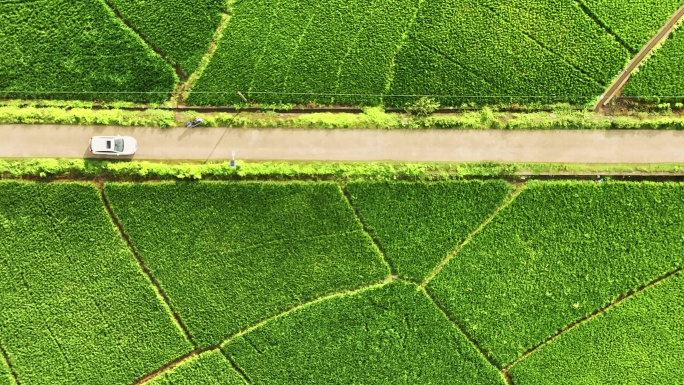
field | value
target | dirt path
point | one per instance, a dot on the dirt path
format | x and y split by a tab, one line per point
622	79
49	141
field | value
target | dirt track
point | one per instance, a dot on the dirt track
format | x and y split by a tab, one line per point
35	141
622	79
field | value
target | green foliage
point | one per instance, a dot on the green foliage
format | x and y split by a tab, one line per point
182	30
418	224
5	375
231	254
60	49
388	335
661	77
296	49
422	107
210	368
86	116
500	52
75	307
637	342
635	22
556	254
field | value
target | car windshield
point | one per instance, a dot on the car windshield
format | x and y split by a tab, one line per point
118	145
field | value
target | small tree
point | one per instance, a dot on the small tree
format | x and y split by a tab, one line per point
423	106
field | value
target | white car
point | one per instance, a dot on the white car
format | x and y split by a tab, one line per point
113	145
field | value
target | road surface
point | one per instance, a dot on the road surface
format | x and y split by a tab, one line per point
54	141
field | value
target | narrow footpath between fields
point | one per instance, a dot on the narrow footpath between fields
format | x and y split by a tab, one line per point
620	82
571	146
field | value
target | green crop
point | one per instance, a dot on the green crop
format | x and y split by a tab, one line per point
210	368
182	30
58	49
637	342
475	54
634	22
418	224
75	307
662	75
231	254
388	335
556	254
5	375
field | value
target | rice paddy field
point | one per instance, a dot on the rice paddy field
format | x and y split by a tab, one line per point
339	52
458	282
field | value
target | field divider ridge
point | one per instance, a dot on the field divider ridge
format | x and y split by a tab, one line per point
368	232
646	51
461	328
389	78
184	87
182	76
237	368
603	25
517	189
543	46
594	314
143	266
8	363
172	364
335	294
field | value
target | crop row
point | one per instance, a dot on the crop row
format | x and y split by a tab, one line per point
5	374
418	224
182	30
483	47
637	342
387	335
556	254
79	50
210	368
326	47
75	307
231	254
661	77
634	22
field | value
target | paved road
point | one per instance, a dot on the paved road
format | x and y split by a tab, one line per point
33	141
621	80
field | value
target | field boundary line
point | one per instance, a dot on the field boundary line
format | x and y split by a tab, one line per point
604	26
336	294
172	364
543	46
257	62
357	214
458	325
515	191
594	314
237	368
656	41
184	87
146	271
8	363
389	78
182	76
295	50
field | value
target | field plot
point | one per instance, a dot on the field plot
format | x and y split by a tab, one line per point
210	368
59	49
662	75
75	307
182	30
633	22
556	254
5	375
418	224
320	47
637	342
231	254
492	59
388	335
